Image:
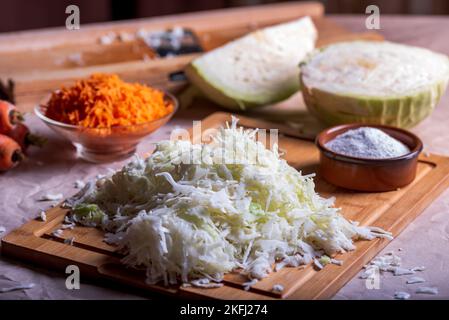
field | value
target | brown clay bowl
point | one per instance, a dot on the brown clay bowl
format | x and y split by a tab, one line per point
372	175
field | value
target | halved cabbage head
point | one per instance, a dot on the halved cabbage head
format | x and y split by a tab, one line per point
373	82
257	69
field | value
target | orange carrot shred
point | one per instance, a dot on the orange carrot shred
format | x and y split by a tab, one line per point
105	101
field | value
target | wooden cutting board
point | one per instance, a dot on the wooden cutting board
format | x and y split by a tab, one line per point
392	211
44	60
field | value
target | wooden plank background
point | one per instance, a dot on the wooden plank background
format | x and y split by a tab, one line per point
25	14
40	61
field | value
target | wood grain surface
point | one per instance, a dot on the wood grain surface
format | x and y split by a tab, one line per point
392	211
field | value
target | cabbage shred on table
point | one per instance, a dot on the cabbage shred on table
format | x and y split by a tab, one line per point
184	221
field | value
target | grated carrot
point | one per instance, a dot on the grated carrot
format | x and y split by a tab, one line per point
105	101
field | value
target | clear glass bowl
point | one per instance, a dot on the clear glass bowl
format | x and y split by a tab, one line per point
106	144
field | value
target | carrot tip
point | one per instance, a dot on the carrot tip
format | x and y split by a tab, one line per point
16	117
36	140
17	156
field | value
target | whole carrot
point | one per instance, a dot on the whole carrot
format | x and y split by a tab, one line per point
9	117
10	153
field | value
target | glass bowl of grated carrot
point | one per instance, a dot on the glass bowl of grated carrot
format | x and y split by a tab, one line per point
106	143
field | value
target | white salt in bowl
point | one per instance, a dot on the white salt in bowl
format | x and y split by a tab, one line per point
365	174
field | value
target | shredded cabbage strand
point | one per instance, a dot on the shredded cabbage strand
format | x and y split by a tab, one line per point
220	212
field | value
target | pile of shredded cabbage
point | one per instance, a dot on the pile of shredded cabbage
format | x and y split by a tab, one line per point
184	222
